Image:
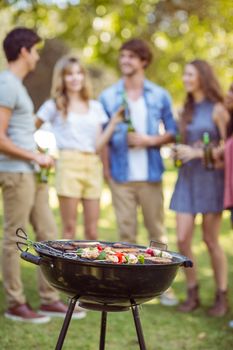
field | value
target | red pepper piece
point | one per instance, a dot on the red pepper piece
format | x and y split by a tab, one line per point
120	257
150	251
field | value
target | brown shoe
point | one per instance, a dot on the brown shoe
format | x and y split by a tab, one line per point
59	309
192	302
24	313
220	306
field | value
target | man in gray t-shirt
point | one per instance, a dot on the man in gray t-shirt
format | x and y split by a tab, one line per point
21	124
24	199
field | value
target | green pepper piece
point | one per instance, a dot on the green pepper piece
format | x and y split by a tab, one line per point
102	256
141	259
79	251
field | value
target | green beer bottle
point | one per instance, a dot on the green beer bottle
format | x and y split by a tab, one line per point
130	126
177	162
208	159
43	174
127	117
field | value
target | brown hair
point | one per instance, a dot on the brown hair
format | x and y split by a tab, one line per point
18	38
58	90
210	87
140	48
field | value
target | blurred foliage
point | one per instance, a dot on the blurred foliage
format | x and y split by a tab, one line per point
177	31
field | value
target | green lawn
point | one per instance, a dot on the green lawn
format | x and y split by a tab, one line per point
164	328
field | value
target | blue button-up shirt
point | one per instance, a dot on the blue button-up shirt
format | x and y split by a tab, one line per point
158	103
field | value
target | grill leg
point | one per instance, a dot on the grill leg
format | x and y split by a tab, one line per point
138	327
103	330
66	323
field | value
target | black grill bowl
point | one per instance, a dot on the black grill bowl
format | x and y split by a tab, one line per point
100	283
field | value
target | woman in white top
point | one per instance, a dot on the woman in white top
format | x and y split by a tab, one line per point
77	125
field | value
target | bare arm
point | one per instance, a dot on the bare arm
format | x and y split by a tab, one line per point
105	160
164	139
9	148
221	118
104	136
38	123
144	140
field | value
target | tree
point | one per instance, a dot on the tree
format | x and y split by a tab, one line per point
177	30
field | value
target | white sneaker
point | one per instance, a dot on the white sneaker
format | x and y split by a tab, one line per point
79	312
59	309
24	313
168	298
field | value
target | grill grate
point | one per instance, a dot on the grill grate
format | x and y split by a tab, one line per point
47	249
68	249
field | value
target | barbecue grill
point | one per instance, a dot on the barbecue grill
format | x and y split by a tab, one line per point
100	285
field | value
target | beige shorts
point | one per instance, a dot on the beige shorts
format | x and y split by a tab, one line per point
78	175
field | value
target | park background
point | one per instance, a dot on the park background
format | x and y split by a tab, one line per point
177	31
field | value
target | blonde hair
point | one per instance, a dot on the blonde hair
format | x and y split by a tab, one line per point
58	90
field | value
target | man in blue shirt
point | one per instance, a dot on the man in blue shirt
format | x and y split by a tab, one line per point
133	164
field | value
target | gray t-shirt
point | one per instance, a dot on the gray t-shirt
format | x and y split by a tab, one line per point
21	128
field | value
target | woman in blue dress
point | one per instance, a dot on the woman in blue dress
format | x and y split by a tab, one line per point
229	106
197	189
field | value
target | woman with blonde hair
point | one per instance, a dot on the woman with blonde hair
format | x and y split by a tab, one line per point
77	123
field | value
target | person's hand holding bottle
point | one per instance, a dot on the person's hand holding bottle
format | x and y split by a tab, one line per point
44	160
118	117
186	153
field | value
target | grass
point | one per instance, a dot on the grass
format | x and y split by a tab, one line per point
164	328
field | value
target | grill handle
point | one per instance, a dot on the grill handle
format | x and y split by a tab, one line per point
37	260
187	263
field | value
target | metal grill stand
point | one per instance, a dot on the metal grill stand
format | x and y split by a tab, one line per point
104	310
55	262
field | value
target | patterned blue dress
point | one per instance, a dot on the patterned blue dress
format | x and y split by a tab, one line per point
198	190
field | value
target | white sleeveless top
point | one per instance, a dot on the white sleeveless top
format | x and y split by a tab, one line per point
75	131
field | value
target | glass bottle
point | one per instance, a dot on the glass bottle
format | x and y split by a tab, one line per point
43	173
177	162
130	126
127	117
208	159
